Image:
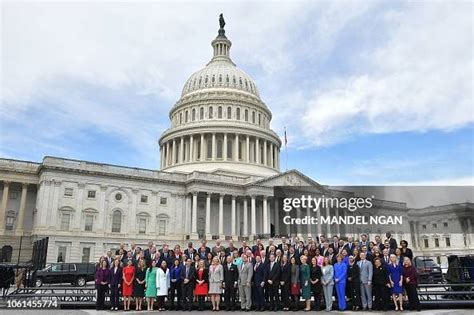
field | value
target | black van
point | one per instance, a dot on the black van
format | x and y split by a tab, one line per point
75	273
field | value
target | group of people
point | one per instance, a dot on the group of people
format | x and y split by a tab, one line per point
345	272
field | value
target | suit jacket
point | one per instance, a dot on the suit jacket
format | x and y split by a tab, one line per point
245	273
366	271
393	243
231	275
349	247
285	273
259	273
115	276
191	275
273	274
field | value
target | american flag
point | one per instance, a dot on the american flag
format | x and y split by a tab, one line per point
286	139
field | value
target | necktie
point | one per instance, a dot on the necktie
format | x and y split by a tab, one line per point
187	272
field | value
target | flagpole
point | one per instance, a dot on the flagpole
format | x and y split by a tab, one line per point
286	151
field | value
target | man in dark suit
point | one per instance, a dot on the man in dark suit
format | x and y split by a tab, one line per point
285	282
190	248
256	246
259	278
187	282
284	241
230	248
391	241
147	252
244	248
349	246
231	278
363	240
273	281
379	243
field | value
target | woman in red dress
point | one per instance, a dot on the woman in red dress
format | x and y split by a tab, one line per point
127	286
202	284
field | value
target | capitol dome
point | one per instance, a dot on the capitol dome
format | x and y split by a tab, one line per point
220	122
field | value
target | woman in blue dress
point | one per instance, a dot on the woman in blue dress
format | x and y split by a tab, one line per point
340	277
395	272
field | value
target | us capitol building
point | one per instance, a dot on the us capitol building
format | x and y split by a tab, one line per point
220	160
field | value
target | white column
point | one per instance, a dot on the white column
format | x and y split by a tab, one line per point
298	226
191	149
208	216
233	219
257	151
236	153
247	151
271	155
214	147
194	219
265	216
338	227
246	217
308	226
161	157
221	216
253	215
181	151
202	148
3	209
224	153
265	152
174	152
168	153
21	212
277	219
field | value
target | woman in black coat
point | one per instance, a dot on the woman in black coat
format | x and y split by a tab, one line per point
380	283
285	283
353	281
316	288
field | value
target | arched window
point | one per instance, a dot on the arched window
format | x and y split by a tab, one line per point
201	113
193	114
253	117
229	149
116	221
227	79
186	116
206	80
211	112
213	79
219	149
219	112
246	115
180	118
220	78
229	112
209	149
259	119
237	114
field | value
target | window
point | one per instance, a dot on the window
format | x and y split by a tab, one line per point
144	199
86	254
116	221
259	119
199	150
448	242
423	226
211	112
425	242
201	113
435	225
209	148
91	194
65	220
141	225
62	251
68	192
14	195
253	117
240	150
238	114
219	112
186	116
229	112
180	118
219	149
163	201
162	224
118	196
246	115
445	224
10	222
229	149
436	241
88	222
193	116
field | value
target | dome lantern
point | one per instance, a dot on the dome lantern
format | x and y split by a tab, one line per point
221	44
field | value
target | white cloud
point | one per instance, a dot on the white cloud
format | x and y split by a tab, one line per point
417	80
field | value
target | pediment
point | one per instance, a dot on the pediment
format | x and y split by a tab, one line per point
288	178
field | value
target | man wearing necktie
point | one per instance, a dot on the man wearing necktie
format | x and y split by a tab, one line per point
259	278
187	283
366	271
231	277
273	278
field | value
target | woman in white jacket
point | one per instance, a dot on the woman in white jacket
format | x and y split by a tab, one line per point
162	284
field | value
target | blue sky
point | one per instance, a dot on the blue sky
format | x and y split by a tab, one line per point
371	92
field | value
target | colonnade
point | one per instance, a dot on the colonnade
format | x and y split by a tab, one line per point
20	216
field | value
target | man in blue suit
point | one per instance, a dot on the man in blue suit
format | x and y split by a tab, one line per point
259	278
